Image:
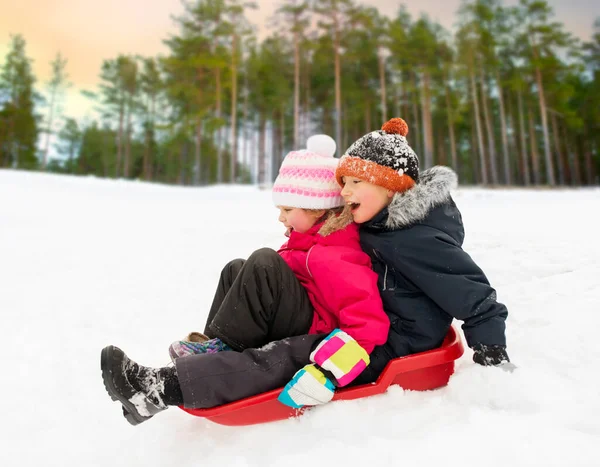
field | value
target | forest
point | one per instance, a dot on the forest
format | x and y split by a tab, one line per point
509	98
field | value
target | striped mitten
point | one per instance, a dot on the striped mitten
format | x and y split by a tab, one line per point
309	386
341	356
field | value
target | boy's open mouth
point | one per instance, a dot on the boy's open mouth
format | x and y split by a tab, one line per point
288	231
354	206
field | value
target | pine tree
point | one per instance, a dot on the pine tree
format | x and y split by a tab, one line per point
57	85
18	122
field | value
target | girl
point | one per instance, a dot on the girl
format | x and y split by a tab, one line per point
317	282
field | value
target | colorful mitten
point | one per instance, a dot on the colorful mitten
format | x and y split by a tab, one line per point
180	349
309	386
340	355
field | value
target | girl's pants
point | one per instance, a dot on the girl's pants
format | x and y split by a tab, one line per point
262	311
258	300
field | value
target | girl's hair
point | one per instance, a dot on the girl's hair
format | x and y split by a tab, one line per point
335	219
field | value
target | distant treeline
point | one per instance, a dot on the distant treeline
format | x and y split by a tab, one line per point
510	99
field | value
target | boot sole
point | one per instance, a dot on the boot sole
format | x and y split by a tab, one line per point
106	364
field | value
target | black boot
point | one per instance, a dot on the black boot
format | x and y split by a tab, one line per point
143	391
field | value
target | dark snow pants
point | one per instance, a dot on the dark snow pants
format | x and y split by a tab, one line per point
258	300
258	303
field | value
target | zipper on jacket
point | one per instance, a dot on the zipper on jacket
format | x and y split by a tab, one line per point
386	268
385	278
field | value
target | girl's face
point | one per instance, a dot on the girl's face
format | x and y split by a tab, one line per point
298	219
365	199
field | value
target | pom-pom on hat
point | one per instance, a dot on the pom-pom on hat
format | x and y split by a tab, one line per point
383	158
307	177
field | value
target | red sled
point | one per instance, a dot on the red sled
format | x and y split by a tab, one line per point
417	372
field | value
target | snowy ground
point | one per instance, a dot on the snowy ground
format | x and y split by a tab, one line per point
85	263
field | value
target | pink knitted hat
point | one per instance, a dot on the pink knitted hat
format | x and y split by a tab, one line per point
307	177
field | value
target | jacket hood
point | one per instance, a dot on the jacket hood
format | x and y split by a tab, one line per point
413	206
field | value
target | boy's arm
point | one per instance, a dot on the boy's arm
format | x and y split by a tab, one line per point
438	266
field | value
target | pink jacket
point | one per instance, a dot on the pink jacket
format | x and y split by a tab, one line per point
340	283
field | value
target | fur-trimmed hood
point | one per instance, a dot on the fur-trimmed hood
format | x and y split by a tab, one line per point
413	206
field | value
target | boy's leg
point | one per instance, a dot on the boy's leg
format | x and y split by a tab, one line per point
228	275
266	302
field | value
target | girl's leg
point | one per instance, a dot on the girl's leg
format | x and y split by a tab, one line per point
212	380
228	275
142	391
202	381
265	302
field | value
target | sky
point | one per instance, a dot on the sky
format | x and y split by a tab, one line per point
88	31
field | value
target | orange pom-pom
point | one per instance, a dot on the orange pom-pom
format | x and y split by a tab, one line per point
395	126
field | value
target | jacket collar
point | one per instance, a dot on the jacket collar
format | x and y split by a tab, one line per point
304	241
412	206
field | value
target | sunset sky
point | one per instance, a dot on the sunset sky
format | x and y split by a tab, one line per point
87	32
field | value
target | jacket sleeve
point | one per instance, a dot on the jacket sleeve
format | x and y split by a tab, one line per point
437	265
349	286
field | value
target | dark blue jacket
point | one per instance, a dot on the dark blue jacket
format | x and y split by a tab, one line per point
425	277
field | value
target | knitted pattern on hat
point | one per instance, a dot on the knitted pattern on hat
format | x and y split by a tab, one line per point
307	178
383	158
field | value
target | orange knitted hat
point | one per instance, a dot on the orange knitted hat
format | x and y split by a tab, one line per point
382	158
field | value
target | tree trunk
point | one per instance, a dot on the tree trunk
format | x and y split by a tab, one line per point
262	135
548	156
524	158
535	161
562	167
383	90
513	152
453	154
415	110
274	149
219	128
49	130
490	131
587	155
146	154
198	153
397	97
404	99
482	162
475	172
120	139
105	141
127	161
338	86
307	130
368	126
441	150
296	89
150	135
232	167
426	114
281	133
573	160
504	130
245	153
182	162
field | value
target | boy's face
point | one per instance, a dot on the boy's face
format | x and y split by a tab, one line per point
366	199
297	219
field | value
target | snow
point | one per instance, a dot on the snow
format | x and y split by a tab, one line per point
85	263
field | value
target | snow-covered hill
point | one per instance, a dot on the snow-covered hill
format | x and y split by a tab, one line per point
85	263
